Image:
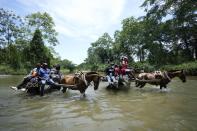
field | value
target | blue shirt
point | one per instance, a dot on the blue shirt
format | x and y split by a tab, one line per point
44	73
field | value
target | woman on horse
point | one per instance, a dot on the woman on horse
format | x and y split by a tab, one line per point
124	65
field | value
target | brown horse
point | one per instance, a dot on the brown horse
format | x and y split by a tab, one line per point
80	81
161	79
90	77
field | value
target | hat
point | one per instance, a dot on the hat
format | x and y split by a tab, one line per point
44	64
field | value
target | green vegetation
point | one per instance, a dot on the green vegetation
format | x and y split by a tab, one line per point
166	35
165	38
190	67
23	42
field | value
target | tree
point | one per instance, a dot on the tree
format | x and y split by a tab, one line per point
101	50
68	65
45	23
10	25
130	40
37	50
15	57
182	23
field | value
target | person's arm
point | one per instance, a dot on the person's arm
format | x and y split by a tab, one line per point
31	72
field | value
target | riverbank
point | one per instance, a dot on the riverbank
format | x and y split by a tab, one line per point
5	70
189	67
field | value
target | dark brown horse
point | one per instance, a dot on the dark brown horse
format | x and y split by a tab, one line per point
161	79
80	81
90	77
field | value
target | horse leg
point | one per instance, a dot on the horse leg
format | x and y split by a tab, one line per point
82	93
142	85
64	89
42	89
137	83
162	85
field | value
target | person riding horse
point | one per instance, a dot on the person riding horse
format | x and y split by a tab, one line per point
124	65
55	73
32	74
44	75
110	74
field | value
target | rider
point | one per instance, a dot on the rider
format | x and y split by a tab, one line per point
117	71
55	73
124	65
32	74
44	75
110	74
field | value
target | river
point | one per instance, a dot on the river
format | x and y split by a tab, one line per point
146	109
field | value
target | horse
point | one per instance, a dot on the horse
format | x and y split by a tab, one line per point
161	79
80	81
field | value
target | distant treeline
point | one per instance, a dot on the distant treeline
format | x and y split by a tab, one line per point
165	38
166	35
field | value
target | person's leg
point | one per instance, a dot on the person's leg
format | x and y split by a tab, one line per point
109	79
24	82
43	82
113	79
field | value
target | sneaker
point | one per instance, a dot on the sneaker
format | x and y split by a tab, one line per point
23	89
14	88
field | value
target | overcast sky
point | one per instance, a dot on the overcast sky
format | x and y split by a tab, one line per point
79	22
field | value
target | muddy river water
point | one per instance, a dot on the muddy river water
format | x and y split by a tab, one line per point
146	109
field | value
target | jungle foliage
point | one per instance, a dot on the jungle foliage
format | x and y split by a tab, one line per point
166	35
27	41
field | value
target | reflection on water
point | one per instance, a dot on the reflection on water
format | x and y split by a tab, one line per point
131	109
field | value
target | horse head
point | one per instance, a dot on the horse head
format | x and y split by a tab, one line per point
182	76
178	73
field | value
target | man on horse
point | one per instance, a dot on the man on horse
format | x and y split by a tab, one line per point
55	73
32	74
110	74
44	75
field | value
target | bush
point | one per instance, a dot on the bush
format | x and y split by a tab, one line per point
142	66
190	67
8	70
